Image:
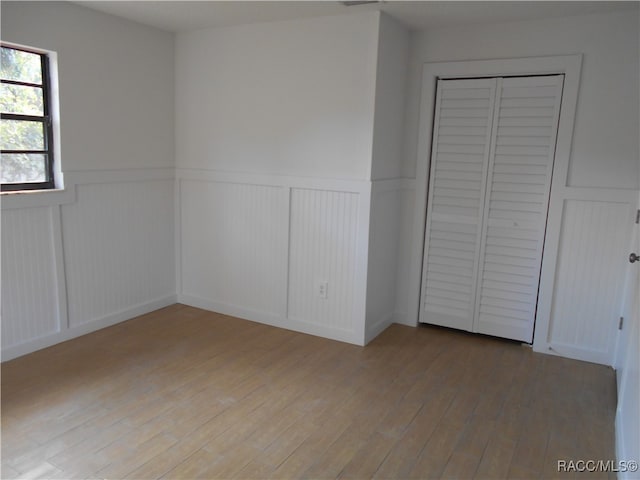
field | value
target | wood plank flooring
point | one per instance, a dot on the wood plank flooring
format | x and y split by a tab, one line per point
186	393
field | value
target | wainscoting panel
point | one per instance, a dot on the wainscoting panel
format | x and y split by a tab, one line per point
99	252
119	243
29	284
233	244
323	236
258	247
587	297
118	247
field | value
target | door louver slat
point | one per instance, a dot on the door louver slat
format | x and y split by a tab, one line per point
499	310
461	144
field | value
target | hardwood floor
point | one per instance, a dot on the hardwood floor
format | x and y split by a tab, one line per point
185	393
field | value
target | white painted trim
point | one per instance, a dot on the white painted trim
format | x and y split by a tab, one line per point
284	305
312	183
380	326
177	232
621	453
38	198
57	239
73	178
15	351
272	319
401	319
552	65
615	195
571	351
423	163
570	66
359	308
76	177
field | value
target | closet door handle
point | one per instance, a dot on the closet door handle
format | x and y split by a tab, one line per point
633	258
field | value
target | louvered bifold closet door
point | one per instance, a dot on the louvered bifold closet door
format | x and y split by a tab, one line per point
457	187
517	199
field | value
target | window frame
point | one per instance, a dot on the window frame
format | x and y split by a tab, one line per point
45	120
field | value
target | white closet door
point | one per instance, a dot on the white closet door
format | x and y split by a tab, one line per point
516	203
457	187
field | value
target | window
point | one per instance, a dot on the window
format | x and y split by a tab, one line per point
26	161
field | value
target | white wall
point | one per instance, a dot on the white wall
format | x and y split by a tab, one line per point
116	83
101	251
391	83
386	165
604	141
604	148
274	139
287	98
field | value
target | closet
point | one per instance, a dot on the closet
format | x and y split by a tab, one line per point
491	166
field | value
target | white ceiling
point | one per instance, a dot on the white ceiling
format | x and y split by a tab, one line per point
181	16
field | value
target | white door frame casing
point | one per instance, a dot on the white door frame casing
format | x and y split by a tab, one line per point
570	66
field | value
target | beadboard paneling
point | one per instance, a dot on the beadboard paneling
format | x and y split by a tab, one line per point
233	244
257	246
586	301
322	248
118	247
29	294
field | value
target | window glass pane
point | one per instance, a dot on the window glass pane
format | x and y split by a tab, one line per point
23	168
21	66
20	99
22	135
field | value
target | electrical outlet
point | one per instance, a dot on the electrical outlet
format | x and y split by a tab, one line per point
322	289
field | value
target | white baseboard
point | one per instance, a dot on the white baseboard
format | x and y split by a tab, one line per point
402	318
619	434
9	353
621	449
273	319
379	327
571	351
